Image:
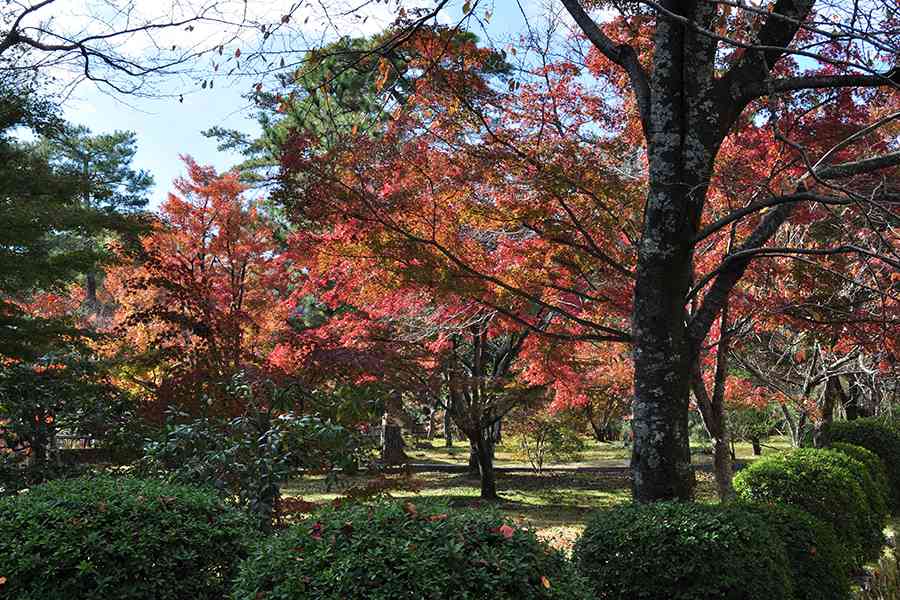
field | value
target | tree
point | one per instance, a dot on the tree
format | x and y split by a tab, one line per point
101	166
693	76
203	298
43	207
60	393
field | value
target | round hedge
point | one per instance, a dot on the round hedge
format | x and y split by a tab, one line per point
683	551
881	487
875	435
818	562
126	539
824	483
391	551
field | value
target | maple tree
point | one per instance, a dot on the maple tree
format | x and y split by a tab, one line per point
202	298
532	194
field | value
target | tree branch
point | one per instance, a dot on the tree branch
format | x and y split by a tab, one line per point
733	270
762	88
621	54
775	34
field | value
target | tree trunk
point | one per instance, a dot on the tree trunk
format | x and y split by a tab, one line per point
757	446
854	408
90	285
833	396
601	431
392	442
712	410
474	466
485	456
448	429
793	428
497	433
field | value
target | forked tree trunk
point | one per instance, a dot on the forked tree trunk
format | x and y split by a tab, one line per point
687	107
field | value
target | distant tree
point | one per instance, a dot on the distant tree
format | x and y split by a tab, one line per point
101	167
43	208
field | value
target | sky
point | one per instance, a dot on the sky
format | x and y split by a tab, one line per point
167	128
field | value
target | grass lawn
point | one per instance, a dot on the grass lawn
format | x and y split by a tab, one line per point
434	451
556	505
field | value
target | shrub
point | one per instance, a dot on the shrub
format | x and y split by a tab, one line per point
683	551
390	551
875	468
825	484
818	563
543	434
247	457
126	539
875	435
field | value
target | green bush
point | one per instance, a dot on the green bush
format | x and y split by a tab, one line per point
126	539
683	551
875	435
824	483
391	552
875	466
818	563
248	456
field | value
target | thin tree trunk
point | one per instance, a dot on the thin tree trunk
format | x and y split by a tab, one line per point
713	414
429	432
793	429
448	429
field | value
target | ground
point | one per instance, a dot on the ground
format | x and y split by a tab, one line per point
594	454
555	504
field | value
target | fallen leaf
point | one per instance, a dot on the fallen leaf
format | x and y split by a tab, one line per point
545	582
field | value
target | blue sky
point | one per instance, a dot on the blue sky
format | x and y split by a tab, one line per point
166	127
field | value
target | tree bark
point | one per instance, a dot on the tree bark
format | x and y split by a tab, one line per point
485	456
392	435
832	396
448	429
474	466
757	446
90	282
712	411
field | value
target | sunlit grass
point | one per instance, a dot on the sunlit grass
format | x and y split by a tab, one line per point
555	505
616	454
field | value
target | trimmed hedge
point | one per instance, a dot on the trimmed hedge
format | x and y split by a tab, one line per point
875	435
126	539
390	551
824	483
881	489
683	551
818	562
